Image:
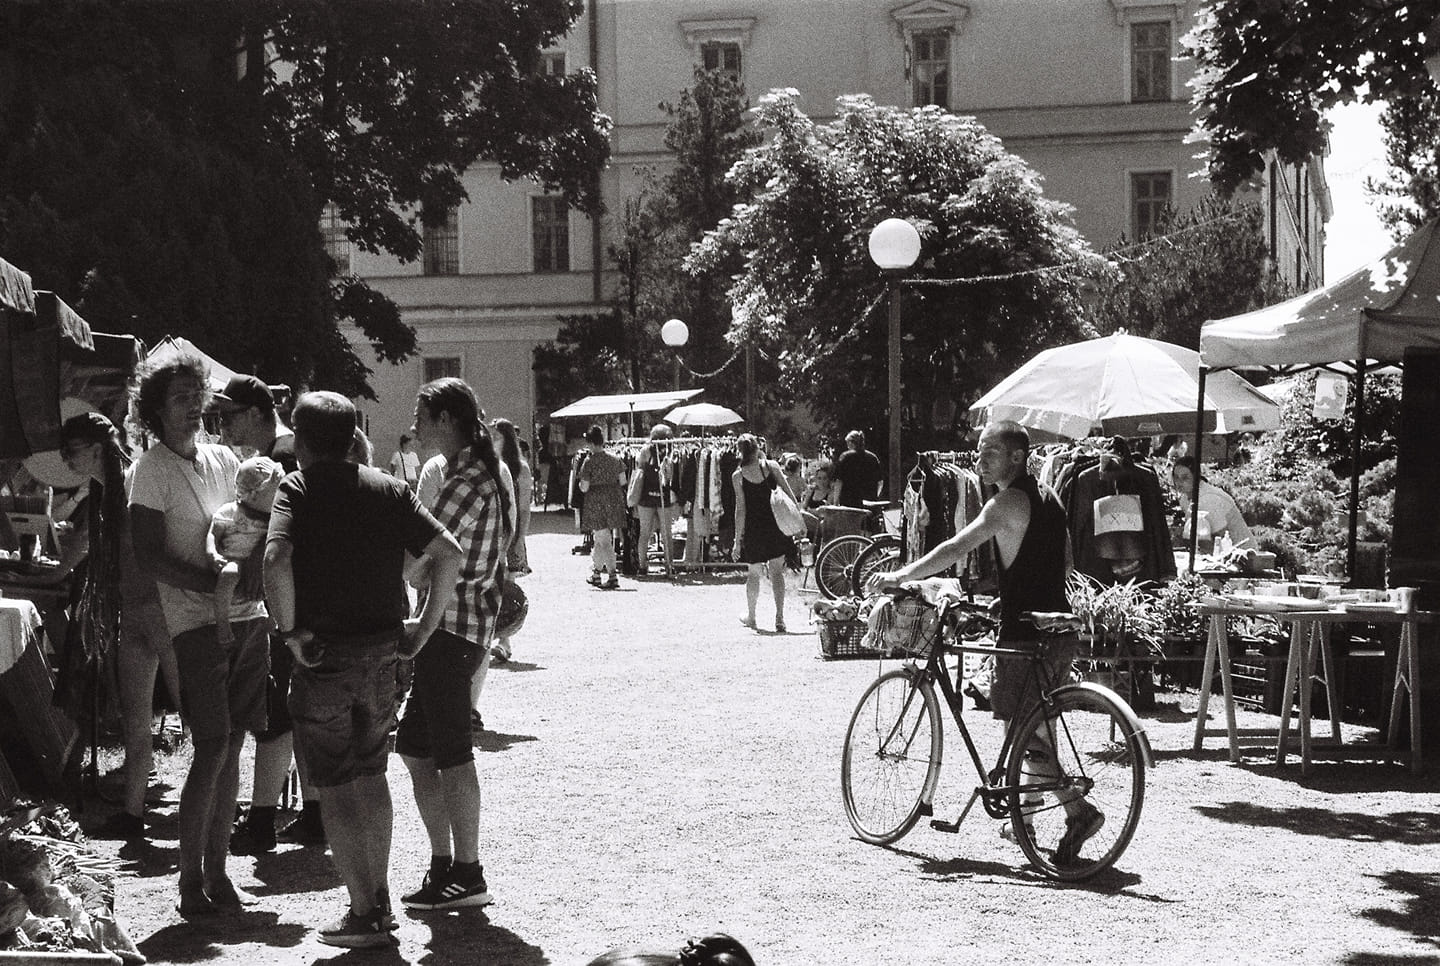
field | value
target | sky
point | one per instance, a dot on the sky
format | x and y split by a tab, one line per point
1354	236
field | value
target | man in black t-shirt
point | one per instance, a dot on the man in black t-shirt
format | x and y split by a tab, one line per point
858	471
334	582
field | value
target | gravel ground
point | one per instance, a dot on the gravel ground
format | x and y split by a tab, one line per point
653	771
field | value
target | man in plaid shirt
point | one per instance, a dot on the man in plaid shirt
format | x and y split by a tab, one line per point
434	739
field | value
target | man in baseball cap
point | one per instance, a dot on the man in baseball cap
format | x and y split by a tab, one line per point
245	392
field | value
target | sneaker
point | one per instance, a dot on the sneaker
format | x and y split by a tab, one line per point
121	825
613	583
308	829
594	579
500	653
249	838
1079	829
358	932
387	914
449	892
477	724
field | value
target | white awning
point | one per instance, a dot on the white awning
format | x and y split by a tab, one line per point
632	402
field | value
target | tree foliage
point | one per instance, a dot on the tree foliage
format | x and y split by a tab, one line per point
1210	263
808	284
1408	195
256	116
1267	70
707	134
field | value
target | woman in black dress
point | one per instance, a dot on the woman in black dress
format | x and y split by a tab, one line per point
758	540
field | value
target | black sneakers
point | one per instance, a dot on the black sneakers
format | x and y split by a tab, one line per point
450	891
252	838
307	829
352	931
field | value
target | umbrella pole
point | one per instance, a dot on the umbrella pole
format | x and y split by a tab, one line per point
1195	483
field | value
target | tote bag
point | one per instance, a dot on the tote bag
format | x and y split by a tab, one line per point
787	515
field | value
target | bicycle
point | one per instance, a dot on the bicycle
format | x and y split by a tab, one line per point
845	562
1081	743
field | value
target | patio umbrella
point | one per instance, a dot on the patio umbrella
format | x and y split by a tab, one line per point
1123	385
703	414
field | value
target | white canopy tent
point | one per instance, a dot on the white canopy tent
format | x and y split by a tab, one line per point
1360	322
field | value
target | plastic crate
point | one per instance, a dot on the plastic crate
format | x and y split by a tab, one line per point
841	639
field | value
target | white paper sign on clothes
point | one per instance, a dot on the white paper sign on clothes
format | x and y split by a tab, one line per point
19	623
1118	514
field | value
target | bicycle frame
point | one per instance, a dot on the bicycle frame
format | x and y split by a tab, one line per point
993	795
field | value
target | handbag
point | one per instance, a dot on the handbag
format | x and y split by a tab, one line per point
514	608
787	514
635	487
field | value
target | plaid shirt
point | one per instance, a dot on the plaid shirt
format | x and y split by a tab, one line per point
468	505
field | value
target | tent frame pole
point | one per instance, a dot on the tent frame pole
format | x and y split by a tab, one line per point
1356	441
1195	482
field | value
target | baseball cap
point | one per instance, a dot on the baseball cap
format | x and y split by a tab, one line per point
243	392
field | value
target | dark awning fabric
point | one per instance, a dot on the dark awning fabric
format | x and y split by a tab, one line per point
65	320
15	291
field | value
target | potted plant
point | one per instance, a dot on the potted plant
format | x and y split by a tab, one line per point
1121	622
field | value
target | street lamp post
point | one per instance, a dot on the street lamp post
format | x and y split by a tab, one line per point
894	247
1432	50
675	334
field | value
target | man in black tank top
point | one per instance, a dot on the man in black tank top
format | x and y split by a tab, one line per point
1027	524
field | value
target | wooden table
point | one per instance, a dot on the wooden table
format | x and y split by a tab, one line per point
1309	642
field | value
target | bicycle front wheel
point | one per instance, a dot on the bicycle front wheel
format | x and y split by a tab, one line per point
891	760
1077	780
835	563
882	554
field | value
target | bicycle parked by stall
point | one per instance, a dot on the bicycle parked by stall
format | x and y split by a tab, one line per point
844	562
1079	748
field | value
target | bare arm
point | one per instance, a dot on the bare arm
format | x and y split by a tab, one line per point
1007	512
148	530
739	511
445	556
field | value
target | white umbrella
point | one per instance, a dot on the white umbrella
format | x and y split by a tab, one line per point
1123	385
703	414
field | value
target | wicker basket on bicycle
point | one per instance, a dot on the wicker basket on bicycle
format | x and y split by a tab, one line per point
843	638
907	627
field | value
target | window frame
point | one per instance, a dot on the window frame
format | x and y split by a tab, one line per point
440	246
442	367
548	61
559	250
337	244
721	48
1164	72
1134	179
916	38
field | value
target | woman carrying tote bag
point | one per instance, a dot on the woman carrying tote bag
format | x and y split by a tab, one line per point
759	541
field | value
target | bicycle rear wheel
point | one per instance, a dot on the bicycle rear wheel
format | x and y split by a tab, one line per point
891	760
835	562
882	554
1084	745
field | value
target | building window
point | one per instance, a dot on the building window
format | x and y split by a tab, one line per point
930	69
1149	202
443	367
550	229
442	246
337	246
1150	62
723	56
552	64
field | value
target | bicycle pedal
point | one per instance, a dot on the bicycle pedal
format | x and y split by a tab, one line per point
940	825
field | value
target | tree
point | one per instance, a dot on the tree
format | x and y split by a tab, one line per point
1210	263
376	106
707	134
1267	70
1408	195
1001	259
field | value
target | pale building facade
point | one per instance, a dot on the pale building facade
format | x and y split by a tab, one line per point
1089	92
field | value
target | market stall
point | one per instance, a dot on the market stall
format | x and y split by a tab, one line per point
1355	325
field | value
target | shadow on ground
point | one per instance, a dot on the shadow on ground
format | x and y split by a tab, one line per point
499	741
1406	828
294	870
1110	882
467	936
199	939
1421	892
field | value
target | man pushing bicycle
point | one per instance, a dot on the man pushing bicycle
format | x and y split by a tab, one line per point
1027	523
